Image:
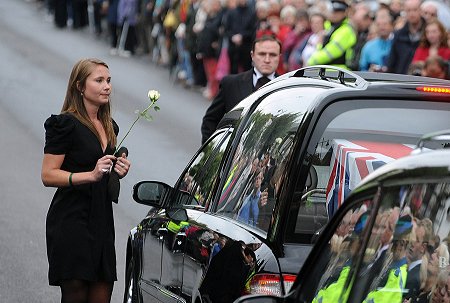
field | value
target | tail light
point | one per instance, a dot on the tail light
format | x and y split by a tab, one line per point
434	89
270	284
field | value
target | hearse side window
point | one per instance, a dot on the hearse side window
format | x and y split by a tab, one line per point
332	273
407	256
199	178
254	177
352	139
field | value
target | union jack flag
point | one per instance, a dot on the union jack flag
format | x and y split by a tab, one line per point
352	161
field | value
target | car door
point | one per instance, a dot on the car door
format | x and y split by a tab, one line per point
156	242
166	238
163	237
199	180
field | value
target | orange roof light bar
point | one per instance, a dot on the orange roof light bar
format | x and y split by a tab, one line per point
434	89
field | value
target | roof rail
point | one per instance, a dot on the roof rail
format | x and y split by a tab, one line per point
439	136
342	74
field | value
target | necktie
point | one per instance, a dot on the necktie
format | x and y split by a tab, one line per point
261	81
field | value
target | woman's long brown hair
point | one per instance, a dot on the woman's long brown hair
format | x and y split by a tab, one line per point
73	103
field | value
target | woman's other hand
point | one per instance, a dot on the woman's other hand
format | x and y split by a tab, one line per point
122	166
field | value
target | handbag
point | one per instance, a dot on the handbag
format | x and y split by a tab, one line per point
170	20
113	181
113	186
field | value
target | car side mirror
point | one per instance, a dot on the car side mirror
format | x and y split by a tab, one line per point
151	193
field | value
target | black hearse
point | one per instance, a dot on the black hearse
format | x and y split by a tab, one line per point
397	249
245	213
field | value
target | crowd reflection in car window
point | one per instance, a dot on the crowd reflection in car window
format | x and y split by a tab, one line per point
249	210
406	258
388	286
250	190
344	246
255	173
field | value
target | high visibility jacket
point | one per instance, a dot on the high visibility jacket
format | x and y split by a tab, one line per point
176	227
392	291
332	293
337	47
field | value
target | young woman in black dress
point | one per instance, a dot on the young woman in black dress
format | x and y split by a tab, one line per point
78	159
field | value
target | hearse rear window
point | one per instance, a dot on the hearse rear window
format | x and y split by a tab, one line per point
352	139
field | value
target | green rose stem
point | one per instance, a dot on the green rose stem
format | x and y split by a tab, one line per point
153	96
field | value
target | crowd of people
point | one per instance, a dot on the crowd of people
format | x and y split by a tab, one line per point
406	261
201	41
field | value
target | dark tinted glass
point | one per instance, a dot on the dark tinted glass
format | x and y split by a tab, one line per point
256	172
200	176
352	139
400	254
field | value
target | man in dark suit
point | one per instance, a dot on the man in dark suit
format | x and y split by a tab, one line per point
416	250
382	231
406	39
265	56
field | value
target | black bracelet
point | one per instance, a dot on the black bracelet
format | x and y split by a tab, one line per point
70	179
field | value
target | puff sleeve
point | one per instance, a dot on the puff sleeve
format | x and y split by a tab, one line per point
58	134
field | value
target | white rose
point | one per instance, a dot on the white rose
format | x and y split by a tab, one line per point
153	95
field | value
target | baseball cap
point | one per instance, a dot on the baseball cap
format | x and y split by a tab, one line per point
403	227
359	225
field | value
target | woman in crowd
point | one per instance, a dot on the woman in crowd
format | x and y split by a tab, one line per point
432	43
438	260
305	48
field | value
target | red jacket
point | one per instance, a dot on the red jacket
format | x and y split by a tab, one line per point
422	53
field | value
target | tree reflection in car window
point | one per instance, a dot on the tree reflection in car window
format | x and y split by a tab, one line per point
200	176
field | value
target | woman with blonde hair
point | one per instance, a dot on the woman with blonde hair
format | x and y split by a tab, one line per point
438	262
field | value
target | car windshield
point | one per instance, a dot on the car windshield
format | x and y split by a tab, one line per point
256	171
352	139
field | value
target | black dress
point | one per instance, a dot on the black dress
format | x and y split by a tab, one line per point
80	225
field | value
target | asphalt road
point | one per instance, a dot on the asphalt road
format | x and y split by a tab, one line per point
35	62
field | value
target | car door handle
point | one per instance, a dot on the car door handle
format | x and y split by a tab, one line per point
179	243
162	232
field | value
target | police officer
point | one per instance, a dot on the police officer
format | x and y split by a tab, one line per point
334	289
391	285
339	39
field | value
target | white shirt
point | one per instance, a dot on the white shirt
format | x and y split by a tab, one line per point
414	264
257	75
